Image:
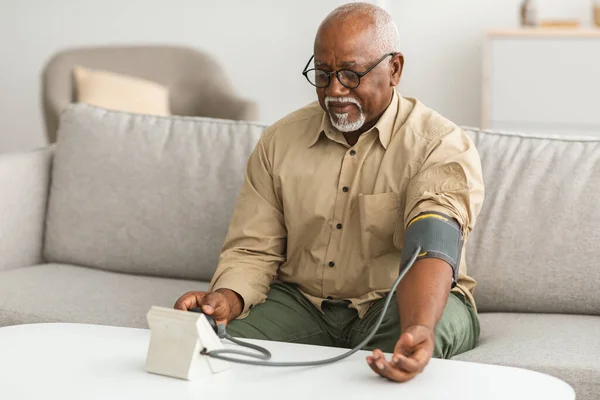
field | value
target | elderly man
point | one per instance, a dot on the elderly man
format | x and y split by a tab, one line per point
336	197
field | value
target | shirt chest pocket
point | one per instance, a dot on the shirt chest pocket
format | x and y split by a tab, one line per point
378	215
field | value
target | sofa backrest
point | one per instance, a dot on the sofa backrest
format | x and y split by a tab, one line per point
536	243
144	194
154	195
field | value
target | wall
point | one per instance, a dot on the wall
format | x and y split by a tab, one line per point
442	43
263	44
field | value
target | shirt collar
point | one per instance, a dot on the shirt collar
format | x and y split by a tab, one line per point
384	126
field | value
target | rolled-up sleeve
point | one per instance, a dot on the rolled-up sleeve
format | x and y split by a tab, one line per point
449	181
256	240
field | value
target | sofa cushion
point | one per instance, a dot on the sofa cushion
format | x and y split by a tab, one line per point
144	194
564	346
67	293
535	243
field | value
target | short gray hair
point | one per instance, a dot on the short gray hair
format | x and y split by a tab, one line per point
386	32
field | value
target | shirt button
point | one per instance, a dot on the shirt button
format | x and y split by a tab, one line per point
331	264
352	152
345	189
339	226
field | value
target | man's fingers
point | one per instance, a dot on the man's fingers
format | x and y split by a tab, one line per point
371	363
189	300
378	359
215	304
410	340
411	355
212	302
397	375
422	356
405	345
407	339
180	303
375	362
384	368
419	334
415	362
407	364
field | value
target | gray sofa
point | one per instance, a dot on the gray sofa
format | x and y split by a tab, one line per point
128	211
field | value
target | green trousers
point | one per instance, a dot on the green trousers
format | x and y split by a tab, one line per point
287	316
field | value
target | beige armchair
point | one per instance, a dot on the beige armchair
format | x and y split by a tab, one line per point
197	83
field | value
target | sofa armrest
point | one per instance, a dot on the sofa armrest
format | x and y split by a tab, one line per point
24	184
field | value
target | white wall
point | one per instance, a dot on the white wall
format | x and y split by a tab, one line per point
263	44
442	43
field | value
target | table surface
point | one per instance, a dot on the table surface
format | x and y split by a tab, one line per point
76	361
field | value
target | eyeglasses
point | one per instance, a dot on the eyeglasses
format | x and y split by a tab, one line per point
348	78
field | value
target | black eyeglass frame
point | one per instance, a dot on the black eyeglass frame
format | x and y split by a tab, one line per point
358	74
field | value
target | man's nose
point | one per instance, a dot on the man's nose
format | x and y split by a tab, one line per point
336	89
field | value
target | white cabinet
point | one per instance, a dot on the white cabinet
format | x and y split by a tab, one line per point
542	81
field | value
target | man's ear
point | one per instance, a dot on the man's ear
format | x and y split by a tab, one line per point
397	68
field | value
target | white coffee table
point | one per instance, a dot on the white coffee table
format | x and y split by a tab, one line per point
75	361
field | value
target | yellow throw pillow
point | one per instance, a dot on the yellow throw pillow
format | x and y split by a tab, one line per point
120	92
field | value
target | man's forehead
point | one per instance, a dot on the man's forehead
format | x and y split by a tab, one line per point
352	62
343	56
343	46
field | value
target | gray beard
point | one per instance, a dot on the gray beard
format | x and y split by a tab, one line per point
343	125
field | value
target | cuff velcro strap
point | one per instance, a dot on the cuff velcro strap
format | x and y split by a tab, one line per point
438	235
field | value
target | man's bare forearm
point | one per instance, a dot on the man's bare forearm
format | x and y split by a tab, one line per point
423	293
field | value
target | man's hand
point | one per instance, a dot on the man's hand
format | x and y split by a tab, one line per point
411	355
224	305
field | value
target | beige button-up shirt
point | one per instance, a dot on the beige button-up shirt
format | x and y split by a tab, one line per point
330	217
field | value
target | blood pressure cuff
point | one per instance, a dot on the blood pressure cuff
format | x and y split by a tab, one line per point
438	235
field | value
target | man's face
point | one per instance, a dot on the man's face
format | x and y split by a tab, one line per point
358	109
